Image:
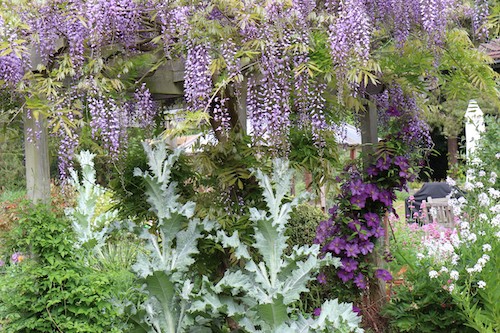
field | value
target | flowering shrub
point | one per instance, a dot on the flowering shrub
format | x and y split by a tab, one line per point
418	303
472	272
462	262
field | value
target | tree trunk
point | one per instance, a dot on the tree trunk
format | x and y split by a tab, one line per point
36	149
452	155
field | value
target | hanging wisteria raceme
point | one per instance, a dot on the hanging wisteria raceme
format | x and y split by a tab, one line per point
480	19
228	51
402	22
33	136
435	15
108	121
174	24
69	135
45	25
75	31
112	21
221	115
394	105
11	69
275	96
197	77
144	108
300	41
349	36
254	112
317	109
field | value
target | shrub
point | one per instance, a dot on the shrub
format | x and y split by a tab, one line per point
422	305
48	287
12	170
304	219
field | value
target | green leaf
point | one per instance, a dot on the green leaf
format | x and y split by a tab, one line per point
274	314
161	287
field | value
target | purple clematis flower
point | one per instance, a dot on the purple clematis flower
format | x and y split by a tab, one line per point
357	187
386	198
379	232
401	162
383	163
352	250
336	245
373	191
366	247
349	265
372	219
360	281
364	233
359	200
357	310
383	274
345	275
372	171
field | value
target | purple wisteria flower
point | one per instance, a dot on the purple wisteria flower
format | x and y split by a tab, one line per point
317	312
392	111
383	274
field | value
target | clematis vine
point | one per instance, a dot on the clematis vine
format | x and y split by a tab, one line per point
356	221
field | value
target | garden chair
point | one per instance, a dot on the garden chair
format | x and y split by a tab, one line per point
437	210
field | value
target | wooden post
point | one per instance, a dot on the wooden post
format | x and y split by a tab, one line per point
452	155
369	135
36	148
369	138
